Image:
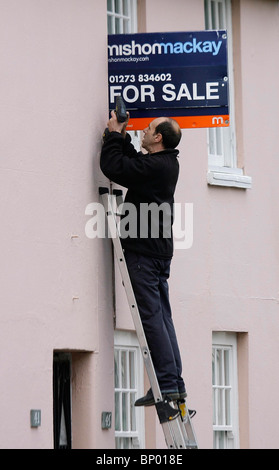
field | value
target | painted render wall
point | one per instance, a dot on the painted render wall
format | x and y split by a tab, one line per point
53	112
56	283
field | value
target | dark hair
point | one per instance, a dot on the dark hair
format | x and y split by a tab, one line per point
171	133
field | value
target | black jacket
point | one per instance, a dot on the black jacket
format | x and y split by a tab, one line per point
150	178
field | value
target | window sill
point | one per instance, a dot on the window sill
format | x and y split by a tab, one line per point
232	178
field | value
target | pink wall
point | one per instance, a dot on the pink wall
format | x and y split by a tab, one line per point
53	103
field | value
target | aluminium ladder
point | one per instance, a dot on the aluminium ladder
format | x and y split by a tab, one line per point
175	420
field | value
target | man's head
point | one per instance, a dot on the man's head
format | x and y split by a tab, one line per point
162	133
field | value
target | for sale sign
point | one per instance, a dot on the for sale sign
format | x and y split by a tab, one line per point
181	75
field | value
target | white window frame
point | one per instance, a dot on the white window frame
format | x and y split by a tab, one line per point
222	161
225	391
122	16
129	424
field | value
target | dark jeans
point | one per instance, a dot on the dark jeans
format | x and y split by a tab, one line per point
149	280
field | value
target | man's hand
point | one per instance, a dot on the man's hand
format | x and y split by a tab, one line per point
115	126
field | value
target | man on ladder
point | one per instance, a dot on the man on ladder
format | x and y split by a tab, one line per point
151	180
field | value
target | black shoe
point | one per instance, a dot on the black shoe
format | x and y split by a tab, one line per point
148	399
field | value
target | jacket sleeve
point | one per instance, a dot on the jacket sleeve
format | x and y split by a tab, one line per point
121	163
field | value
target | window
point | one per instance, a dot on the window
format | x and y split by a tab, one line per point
225	391
221	141
128	374
121	16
